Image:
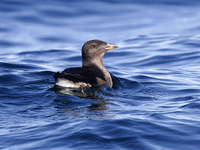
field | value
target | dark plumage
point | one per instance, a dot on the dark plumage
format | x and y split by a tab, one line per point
92	73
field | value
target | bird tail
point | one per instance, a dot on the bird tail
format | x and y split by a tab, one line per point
56	75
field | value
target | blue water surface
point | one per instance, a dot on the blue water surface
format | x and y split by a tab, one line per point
155	102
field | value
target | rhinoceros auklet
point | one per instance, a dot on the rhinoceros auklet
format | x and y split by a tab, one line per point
92	73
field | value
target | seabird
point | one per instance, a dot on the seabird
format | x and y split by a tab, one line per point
92	73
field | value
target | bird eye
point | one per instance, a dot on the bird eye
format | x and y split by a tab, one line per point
93	46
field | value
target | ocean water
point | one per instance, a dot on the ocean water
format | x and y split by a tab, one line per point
155	102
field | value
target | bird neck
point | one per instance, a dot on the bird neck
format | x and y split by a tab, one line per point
97	64
93	63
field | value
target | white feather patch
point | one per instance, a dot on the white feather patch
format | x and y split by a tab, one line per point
69	84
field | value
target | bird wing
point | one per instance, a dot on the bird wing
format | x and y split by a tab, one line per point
86	75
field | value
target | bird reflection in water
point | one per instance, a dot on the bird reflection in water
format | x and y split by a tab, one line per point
88	103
